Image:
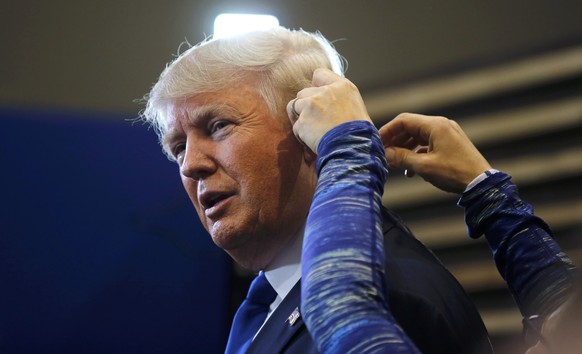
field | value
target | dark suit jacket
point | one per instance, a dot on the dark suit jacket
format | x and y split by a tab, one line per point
426	300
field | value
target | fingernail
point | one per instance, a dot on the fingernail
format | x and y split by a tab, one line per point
390	153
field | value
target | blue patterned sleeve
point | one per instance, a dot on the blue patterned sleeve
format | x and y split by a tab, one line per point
343	286
536	270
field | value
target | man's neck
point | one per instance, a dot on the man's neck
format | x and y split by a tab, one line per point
285	269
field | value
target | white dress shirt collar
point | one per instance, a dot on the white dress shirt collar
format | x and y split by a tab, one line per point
285	270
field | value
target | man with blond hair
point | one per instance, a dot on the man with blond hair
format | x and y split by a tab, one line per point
222	111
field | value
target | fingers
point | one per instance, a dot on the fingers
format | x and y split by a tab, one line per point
410	143
322	77
410	171
331	101
297	105
406	126
402	158
404	138
435	148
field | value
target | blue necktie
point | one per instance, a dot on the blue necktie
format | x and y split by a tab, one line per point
250	315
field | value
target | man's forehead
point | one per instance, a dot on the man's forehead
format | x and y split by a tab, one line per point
189	110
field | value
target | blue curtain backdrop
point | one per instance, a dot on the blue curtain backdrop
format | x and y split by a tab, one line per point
100	249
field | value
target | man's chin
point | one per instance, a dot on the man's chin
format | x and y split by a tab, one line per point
241	252
229	243
230	240
251	264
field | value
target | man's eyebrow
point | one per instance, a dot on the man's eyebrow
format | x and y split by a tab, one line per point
204	112
195	117
170	136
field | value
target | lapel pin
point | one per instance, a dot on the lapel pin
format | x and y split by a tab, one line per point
294	316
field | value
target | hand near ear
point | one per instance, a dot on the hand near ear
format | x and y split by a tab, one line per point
331	101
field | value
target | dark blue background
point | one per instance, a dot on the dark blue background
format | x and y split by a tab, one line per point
100	249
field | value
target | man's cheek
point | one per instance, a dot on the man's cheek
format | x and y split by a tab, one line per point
202	219
191	190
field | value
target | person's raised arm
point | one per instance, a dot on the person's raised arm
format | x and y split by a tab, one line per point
343	301
536	270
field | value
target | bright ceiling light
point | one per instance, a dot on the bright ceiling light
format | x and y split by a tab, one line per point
227	25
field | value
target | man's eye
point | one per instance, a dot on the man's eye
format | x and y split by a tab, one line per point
218	126
178	149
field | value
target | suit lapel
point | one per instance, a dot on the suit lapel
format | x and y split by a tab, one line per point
281	326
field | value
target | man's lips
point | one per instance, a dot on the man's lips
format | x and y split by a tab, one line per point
213	202
217	209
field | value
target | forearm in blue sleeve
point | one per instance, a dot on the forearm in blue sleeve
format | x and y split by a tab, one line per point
343	299
536	270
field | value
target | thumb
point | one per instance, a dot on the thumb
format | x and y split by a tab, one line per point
402	158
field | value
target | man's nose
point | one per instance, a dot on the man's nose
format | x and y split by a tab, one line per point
198	162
